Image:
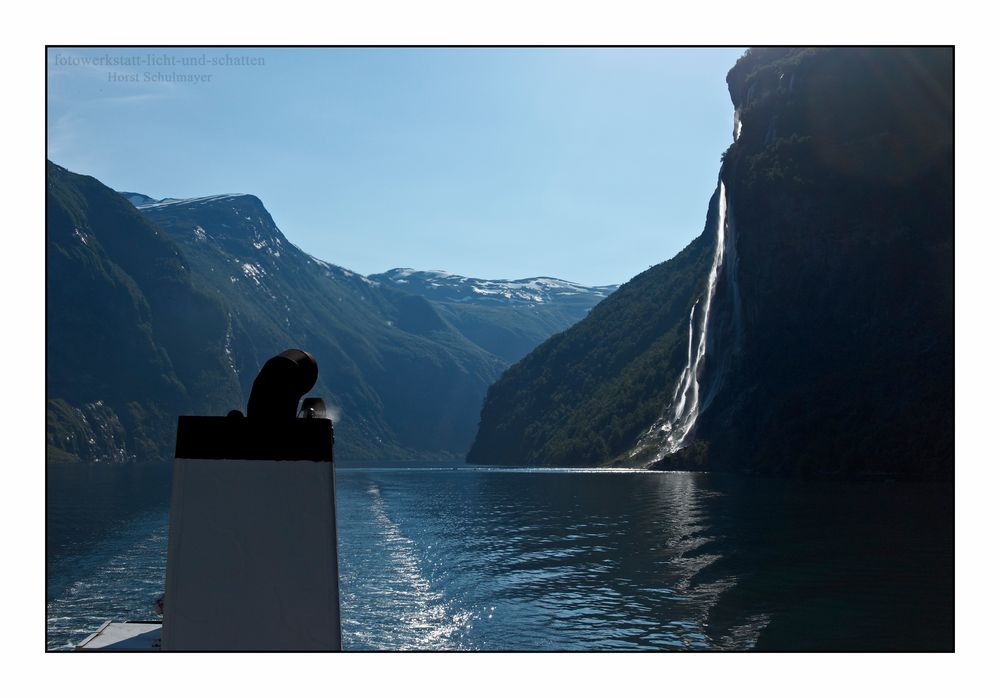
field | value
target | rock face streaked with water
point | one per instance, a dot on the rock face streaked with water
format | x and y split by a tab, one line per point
841	191
819	338
670	432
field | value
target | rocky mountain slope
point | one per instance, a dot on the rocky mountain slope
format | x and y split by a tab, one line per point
170	307
132	340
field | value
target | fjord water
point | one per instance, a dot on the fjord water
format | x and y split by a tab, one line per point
467	558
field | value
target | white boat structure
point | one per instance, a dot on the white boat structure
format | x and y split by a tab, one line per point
252	547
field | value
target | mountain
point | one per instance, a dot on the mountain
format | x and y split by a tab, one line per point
407	383
584	395
137	199
172	308
131	340
809	329
842	188
506	318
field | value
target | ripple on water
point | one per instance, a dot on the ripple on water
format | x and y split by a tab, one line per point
500	559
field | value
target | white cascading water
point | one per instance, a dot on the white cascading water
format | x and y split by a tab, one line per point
670	430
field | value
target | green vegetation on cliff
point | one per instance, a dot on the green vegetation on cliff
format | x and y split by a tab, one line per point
130	341
586	394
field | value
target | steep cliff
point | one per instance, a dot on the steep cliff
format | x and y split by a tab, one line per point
841	192
819	339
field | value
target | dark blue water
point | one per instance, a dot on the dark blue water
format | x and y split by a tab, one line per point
463	558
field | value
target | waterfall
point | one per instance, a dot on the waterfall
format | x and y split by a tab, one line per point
669	432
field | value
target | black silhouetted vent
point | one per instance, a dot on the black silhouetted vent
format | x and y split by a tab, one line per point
242	438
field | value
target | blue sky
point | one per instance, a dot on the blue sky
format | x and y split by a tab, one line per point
584	164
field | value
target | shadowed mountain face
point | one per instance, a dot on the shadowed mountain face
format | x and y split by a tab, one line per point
830	344
173	308
131	339
842	205
405	380
165	307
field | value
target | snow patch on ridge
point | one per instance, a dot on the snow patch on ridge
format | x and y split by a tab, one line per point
538	290
200	200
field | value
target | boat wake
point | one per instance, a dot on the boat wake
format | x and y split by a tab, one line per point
402	610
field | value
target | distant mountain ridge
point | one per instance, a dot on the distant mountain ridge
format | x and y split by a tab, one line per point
506	318
440	285
383	354
142	200
137	199
163	307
